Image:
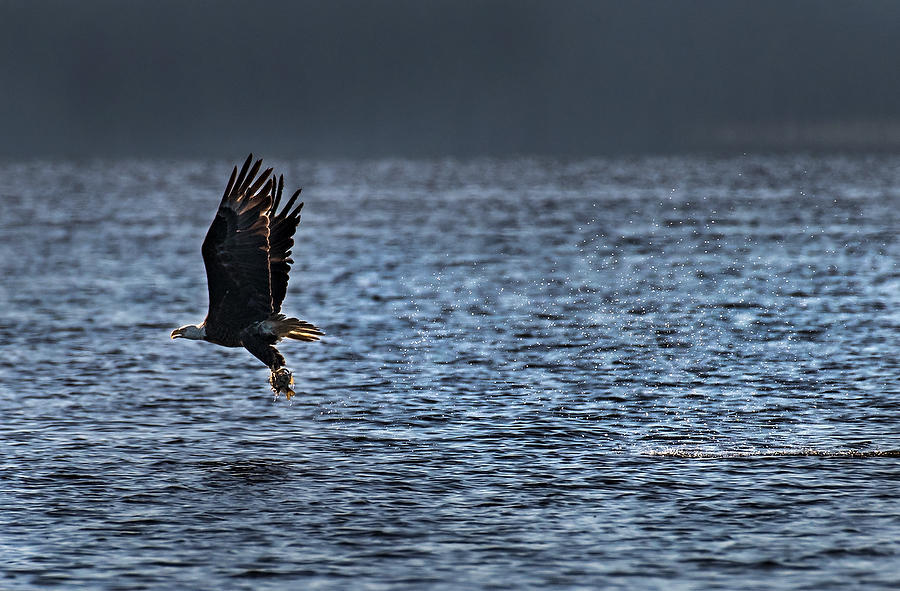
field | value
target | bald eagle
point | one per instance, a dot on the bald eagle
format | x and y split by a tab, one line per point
247	254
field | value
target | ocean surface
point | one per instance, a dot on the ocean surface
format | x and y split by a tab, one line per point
649	373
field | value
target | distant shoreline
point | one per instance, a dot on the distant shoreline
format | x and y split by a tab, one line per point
850	135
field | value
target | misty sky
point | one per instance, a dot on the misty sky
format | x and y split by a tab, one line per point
375	78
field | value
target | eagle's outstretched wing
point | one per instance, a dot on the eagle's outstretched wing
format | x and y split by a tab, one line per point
236	253
281	239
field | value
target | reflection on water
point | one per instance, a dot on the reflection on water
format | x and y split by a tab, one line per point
628	373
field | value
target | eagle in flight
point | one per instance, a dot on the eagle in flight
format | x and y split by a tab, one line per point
247	254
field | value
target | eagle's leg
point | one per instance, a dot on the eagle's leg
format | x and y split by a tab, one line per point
262	345
281	381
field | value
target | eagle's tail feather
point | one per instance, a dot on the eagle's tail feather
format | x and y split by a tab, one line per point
293	328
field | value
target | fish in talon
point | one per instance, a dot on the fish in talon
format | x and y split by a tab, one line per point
281	381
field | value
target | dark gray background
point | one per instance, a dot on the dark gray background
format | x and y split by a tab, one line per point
363	78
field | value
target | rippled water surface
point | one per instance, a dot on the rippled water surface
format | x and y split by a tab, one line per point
654	373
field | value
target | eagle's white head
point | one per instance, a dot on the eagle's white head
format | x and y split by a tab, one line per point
195	333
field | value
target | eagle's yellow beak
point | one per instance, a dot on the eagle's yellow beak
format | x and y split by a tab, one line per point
177	333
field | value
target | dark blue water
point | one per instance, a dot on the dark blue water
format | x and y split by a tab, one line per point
654	373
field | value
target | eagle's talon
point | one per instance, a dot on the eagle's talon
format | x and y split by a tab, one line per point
281	381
